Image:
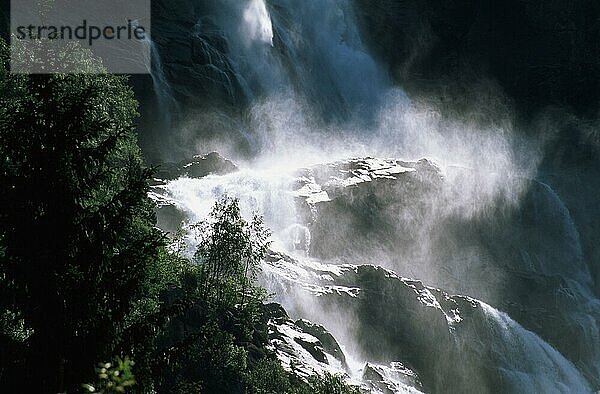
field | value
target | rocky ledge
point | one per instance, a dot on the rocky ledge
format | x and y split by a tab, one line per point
448	342
364	226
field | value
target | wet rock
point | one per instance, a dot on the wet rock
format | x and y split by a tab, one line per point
526	258
314	348
299	350
454	343
352	207
327	340
197	167
390	379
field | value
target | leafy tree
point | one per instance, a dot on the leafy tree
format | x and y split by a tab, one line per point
85	275
217	336
216	320
112	378
76	227
229	253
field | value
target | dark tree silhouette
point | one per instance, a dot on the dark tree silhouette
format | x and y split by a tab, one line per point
76	227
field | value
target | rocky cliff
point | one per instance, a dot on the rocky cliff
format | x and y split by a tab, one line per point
350	233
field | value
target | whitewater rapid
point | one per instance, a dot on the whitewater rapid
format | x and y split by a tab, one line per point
523	359
314	94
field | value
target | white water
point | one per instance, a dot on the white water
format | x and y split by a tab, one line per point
257	22
302	62
526	362
167	104
309	49
265	192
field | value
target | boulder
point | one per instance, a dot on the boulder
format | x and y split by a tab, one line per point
452	343
198	166
300	351
523	255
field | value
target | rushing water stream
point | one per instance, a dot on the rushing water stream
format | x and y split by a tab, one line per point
316	95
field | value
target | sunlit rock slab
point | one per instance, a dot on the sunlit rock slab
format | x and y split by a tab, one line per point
451	342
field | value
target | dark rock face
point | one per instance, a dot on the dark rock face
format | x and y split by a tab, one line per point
315	349
197	167
327	340
192	59
541	52
571	166
194	53
454	343
526	258
169	218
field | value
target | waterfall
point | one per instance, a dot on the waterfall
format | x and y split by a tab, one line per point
167	105
265	192
310	49
328	56
257	22
313	90
527	363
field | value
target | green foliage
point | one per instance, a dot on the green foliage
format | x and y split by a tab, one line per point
112	378
76	227
229	253
268	377
216	322
85	275
330	384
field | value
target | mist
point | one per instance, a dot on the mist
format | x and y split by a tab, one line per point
317	95
479	220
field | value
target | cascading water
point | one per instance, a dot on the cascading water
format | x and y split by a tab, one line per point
167	105
524	360
313	87
257	22
311	49
527	362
